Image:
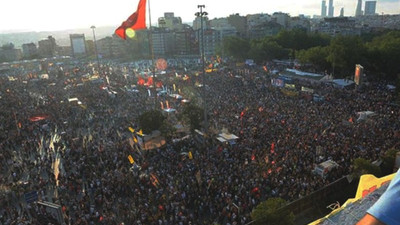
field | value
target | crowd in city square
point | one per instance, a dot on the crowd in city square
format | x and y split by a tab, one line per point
68	138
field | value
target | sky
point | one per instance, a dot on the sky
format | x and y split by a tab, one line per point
52	15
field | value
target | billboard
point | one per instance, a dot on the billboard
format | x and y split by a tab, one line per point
78	44
358	73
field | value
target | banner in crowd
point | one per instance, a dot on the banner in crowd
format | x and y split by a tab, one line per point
358	73
306	89
277	82
290	86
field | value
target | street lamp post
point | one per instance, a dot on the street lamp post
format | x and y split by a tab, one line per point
95	48
202	14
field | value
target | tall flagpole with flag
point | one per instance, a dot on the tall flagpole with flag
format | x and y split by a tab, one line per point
137	21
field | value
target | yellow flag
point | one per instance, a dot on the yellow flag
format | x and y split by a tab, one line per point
131	159
135	139
140	132
131	129
190	155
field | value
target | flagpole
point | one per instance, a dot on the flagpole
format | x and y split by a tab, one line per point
152	56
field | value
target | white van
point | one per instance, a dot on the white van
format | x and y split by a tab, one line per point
324	168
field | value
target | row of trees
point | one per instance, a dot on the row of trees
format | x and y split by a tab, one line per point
377	52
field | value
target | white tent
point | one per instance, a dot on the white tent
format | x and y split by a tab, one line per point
342	83
169	110
364	115
225	137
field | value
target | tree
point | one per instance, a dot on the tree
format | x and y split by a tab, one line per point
151	120
267	49
271	212
299	39
193	115
167	129
344	53
236	47
316	56
363	166
388	160
383	53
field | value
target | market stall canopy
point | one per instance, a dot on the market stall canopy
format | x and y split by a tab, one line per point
225	137
364	115
170	110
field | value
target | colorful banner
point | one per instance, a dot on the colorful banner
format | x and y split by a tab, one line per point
358	73
130	158
277	82
306	89
190	155
290	86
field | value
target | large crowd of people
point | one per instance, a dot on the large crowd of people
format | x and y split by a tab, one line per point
74	153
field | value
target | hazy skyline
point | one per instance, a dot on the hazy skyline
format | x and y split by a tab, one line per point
47	15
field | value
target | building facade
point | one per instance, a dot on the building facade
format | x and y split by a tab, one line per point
185	42
370	8
358	9
170	22
337	26
323	8
47	47
299	22
239	23
10	54
330	9
281	18
30	51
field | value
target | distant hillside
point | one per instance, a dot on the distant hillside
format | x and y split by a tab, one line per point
62	37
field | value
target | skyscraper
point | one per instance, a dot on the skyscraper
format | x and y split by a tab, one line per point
370	8
358	9
342	12
330	9
323	8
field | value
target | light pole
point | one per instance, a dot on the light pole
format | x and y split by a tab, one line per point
201	14
95	49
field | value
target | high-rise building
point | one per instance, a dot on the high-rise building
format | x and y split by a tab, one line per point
170	21
78	45
197	23
8	53
358	9
281	18
240	24
47	47
330	9
29	50
370	8
323	8
342	12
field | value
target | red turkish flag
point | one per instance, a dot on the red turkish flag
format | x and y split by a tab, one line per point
136	21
